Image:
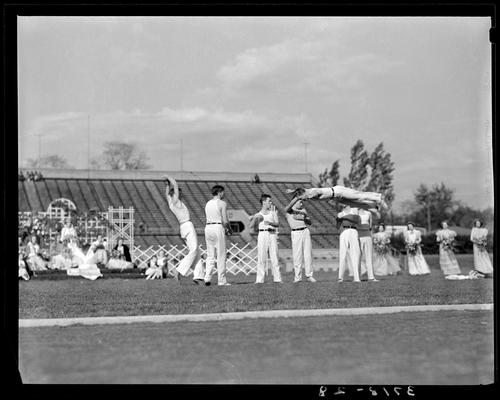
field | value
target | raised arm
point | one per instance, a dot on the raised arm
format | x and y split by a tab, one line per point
274	213
289	207
171	183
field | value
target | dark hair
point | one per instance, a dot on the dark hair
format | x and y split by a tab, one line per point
217	189
442	222
410	223
481	223
263	197
381	224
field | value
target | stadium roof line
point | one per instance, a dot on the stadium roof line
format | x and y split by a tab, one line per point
179	175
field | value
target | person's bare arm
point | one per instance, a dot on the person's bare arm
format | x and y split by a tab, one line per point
225	218
290	205
274	212
171	183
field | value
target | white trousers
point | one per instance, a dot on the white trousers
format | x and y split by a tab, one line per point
349	251
188	234
267	243
302	253
366	247
216	241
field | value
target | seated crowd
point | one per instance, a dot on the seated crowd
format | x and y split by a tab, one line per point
30	176
67	252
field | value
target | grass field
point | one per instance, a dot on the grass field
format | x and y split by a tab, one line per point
415	349
82	298
419	348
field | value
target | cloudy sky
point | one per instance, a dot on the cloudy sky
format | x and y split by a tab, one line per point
244	94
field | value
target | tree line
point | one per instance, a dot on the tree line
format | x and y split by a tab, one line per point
369	171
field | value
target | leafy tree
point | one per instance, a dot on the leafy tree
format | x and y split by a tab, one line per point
359	167
330	178
436	204
381	176
121	156
50	161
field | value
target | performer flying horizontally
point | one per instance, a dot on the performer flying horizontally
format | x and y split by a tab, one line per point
187	231
370	201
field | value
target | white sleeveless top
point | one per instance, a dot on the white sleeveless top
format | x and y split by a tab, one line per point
212	211
179	209
270	217
295	223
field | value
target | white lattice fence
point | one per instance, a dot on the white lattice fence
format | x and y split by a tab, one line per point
239	260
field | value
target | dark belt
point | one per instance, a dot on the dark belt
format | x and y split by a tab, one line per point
214	223
267	230
349	227
300	229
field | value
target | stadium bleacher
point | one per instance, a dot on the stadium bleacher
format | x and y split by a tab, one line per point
145	191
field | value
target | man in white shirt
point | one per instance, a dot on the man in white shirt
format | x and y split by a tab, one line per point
348	221
267	243
366	243
298	220
216	228
187	232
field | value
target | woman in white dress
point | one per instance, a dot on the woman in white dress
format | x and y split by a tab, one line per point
384	263
154	270
101	255
416	261
35	261
478	237
23	268
447	260
87	267
68	232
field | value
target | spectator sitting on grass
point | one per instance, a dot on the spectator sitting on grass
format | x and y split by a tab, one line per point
123	250
35	261
24	271
101	255
117	262
154	270
162	263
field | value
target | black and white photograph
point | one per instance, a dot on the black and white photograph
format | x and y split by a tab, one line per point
311	199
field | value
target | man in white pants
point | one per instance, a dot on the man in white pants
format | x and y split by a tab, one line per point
267	220
298	220
366	243
351	197
215	230
348	220
187	232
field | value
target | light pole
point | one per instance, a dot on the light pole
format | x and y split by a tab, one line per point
305	154
39	149
88	146
182	155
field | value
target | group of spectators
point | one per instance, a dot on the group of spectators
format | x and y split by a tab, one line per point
30	176
67	253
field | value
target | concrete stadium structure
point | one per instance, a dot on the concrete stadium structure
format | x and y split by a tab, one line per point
156	225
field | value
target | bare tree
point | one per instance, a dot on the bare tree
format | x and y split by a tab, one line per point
50	161
121	156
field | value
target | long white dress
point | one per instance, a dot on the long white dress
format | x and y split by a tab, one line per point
416	262
447	260
482	261
384	263
87	267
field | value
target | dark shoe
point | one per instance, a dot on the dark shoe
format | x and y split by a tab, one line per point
198	281
208	283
